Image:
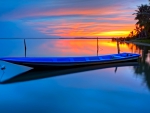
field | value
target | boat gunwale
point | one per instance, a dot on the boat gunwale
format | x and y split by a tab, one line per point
101	58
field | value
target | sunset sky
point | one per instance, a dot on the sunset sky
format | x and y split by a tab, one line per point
67	18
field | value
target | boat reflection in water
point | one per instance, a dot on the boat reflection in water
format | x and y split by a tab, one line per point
34	74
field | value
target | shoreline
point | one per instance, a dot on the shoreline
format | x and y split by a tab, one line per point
138	43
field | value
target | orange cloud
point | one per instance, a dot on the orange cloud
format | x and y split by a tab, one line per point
85	22
75	28
33	12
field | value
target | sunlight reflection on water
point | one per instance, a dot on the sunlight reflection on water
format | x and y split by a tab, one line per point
100	90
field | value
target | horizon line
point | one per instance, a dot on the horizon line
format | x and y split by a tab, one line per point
59	38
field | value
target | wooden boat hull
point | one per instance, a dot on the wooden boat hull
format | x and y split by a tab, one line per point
60	62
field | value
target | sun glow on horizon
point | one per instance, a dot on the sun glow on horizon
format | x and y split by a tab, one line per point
81	29
114	33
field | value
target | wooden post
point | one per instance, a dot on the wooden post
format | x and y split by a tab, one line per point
115	69
118	48
25	48
97	46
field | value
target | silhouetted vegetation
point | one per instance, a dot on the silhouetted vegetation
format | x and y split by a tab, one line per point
119	39
142	26
143	69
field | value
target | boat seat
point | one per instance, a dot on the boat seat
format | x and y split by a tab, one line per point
79	59
63	59
93	58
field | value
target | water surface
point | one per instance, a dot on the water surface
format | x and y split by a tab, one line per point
115	89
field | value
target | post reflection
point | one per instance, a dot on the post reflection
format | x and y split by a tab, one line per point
34	74
143	69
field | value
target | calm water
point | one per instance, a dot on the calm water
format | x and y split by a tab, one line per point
123	89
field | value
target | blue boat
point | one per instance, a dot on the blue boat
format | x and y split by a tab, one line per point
60	62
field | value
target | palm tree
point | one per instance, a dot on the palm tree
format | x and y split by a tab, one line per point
143	18
130	34
137	31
